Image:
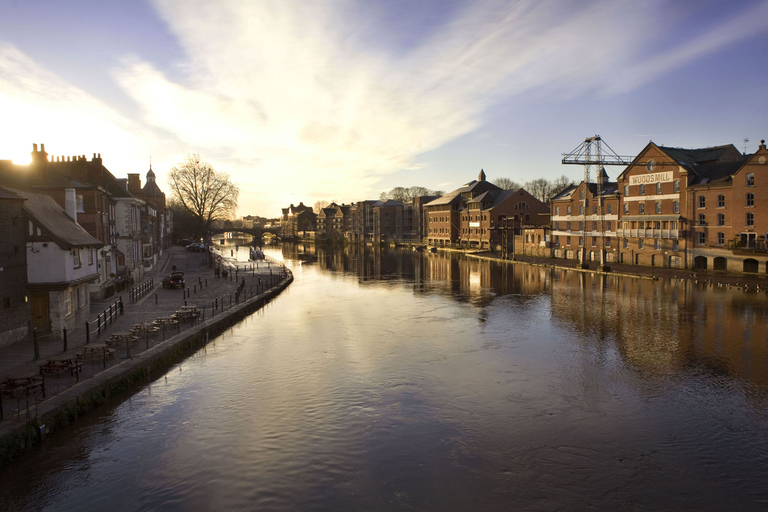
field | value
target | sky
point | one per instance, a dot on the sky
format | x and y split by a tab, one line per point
301	101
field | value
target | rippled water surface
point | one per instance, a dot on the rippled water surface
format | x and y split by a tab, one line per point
406	381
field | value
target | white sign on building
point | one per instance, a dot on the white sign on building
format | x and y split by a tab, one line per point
648	179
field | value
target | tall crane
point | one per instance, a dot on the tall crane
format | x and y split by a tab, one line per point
594	152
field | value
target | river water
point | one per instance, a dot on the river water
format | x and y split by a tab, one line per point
394	380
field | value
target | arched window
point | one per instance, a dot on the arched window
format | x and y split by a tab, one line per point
522	206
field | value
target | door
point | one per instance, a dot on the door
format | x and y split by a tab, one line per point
38	305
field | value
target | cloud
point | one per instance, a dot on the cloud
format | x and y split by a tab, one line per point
41	107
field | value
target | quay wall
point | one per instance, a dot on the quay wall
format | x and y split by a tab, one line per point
55	413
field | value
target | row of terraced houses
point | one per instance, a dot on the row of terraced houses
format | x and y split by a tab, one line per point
72	232
702	208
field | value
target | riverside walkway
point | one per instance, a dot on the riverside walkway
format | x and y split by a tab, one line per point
211	295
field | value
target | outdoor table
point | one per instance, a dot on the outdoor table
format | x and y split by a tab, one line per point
121	336
165	320
25	382
60	364
97	349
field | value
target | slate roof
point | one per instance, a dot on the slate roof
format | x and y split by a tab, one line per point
50	216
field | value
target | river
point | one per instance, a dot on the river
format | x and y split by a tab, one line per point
394	380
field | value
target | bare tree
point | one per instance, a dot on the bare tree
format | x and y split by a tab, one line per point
539	188
506	184
319	205
403	194
207	194
561	184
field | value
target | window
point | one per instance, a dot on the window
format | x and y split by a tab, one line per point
608	209
657	244
522	206
608	226
750	219
642	208
720	238
658	188
568	226
702	220
557	210
750	179
581	225
626	243
640	243
569	210
76	258
581	241
676	188
607	242
568	240
626	208
702	238
673	225
626	190
594	226
750	199
594	241
675	206
581	195
90	256
720	219
642	190
79	203
557	225
658	206
702	202
721	201
581	210
674	245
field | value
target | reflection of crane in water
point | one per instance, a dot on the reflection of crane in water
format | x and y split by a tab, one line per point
594	151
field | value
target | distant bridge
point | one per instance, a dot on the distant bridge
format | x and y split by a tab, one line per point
257	232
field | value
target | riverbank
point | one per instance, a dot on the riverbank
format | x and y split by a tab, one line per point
28	419
748	282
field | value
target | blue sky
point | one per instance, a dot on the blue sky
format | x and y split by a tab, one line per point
342	99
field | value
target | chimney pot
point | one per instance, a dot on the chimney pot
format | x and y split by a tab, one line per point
42	147
34	147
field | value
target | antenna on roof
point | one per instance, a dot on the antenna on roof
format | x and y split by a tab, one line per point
745	145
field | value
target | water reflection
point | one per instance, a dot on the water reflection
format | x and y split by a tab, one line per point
394	380
658	327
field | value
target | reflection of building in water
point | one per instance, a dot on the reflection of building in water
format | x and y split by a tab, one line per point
662	327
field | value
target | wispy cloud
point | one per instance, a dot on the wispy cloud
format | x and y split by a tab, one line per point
281	91
39	106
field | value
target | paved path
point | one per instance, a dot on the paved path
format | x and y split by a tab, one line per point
203	289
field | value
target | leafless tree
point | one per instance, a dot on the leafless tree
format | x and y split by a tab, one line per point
403	194
506	184
204	192
319	205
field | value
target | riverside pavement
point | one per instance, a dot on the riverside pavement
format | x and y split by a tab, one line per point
203	290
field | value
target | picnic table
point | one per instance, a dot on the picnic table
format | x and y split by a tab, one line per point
22	385
61	364
121	336
187	313
96	350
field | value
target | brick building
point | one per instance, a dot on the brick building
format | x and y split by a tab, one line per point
14	297
584	221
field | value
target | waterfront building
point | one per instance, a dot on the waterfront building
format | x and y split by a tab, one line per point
61	262
156	218
387	221
334	222
584	220
660	216
362	221
298	220
477	214
443	213
14	296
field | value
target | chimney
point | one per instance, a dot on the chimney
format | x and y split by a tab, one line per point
70	203
134	183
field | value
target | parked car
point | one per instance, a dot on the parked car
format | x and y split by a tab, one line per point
196	247
175	280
